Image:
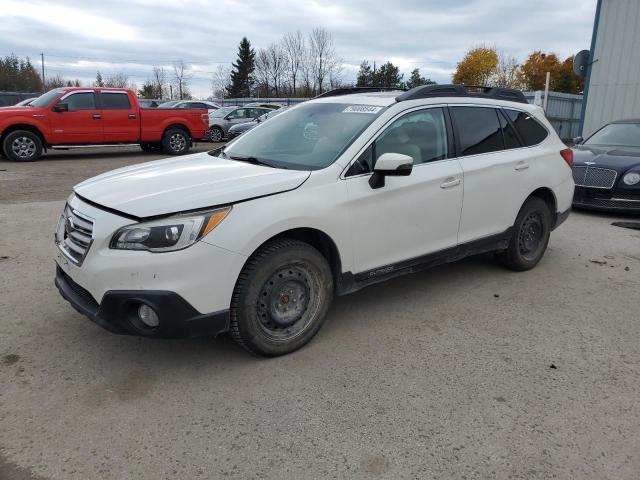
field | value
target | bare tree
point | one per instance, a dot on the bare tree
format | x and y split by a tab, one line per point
159	81
118	80
263	72
295	51
507	72
220	79
278	65
325	60
181	79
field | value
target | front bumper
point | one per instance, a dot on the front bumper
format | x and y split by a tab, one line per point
606	200
117	311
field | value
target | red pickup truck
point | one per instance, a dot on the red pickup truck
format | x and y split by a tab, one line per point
79	116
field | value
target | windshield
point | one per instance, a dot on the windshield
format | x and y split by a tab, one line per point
308	137
45	99
617	134
222	112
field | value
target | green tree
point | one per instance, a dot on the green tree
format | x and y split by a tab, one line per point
148	90
242	72
19	75
388	75
566	80
99	82
416	80
477	67
365	75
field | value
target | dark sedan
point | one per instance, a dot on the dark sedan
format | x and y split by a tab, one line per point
606	168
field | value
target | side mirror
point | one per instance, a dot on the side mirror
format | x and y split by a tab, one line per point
390	164
61	107
578	140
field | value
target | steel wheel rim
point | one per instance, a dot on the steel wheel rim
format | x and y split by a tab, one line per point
283	306
177	142
531	235
23	147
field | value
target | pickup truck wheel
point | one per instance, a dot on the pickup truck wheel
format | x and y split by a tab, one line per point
151	147
216	134
22	146
281	298
530	236
176	142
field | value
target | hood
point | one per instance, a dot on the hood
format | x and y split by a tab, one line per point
244	126
618	158
185	183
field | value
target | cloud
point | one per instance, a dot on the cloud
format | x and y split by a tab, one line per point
80	36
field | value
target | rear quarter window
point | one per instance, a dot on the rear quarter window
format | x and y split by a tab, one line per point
530	130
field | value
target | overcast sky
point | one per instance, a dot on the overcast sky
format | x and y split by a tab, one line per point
82	36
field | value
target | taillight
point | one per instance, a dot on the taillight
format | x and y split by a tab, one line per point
567	154
205	118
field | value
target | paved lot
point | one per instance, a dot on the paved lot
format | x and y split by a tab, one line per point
463	371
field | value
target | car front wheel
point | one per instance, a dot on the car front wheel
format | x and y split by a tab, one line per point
216	134
281	298
530	236
22	146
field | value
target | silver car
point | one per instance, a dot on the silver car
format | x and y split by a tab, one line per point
223	119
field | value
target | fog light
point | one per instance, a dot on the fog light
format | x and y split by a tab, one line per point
148	316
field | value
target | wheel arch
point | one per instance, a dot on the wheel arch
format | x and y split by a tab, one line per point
547	195
180	126
23	126
317	239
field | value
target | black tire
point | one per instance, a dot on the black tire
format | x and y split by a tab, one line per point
22	146
216	134
176	141
281	298
530	236
151	147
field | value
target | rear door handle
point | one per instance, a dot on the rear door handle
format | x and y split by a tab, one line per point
521	166
96	116
453	182
132	116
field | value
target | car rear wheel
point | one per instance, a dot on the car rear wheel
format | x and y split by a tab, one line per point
281	298
22	146
216	134
530	236
176	142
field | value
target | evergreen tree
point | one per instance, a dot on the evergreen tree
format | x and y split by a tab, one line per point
388	75
242	73
416	80
99	82
365	75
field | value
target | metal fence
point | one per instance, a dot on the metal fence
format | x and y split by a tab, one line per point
11	98
563	112
243	101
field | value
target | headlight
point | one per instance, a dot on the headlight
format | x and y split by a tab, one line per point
168	234
631	178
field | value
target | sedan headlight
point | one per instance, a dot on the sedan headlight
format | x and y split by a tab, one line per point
168	234
631	178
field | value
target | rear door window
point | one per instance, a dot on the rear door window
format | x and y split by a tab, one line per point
115	101
530	130
508	133
478	129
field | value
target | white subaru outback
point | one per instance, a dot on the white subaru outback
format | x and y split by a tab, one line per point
348	189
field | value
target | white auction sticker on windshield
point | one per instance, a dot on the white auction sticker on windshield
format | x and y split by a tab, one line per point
362	109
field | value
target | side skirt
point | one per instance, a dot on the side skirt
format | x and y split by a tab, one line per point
350	282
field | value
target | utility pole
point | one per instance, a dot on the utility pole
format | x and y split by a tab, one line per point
42	60
546	92
171	92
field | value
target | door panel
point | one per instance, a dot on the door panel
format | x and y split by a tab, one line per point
120	118
409	216
81	124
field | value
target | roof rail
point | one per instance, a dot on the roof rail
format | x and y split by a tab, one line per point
454	90
336	92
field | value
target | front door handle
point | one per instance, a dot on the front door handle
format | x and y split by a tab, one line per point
521	166
451	182
96	116
132	116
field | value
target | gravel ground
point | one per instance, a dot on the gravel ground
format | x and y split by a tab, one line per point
463	371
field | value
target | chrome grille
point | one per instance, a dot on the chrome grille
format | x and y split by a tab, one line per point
594	177
74	234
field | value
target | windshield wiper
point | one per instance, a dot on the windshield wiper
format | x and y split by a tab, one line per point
254	160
